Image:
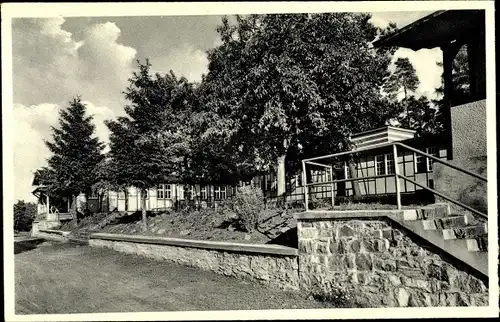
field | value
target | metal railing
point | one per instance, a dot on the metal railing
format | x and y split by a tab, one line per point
396	175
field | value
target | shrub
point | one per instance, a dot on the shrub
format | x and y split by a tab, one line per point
246	206
338	296
320	203
24	214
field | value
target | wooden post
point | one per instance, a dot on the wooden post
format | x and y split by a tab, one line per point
396	176
333	186
304	183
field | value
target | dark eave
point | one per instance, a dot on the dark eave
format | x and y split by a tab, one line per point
437	29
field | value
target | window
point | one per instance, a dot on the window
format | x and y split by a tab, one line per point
161	192
168	192
424	164
379	165
390	163
189	192
220	192
432	151
420	164
121	194
347	173
203	192
269	182
164	191
298	180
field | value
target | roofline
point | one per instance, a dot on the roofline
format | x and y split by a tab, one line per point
383	128
382	41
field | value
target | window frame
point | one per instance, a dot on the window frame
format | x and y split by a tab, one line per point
383	162
389	157
169	190
203	192
219	191
430	162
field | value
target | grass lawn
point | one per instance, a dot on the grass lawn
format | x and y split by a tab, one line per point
56	278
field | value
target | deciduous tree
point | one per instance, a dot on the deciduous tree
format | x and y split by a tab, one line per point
283	86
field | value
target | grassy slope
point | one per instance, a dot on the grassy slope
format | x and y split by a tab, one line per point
64	278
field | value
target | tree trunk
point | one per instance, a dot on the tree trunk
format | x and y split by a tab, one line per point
354	174
281	188
125	192
73	211
280	173
143	208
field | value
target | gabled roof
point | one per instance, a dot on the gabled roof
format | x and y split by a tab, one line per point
437	29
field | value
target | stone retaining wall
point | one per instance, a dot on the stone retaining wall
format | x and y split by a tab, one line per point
274	265
380	265
355	258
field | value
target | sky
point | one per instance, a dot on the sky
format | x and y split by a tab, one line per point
55	59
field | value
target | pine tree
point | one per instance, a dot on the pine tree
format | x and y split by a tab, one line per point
76	152
404	77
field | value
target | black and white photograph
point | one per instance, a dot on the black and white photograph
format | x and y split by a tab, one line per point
229	160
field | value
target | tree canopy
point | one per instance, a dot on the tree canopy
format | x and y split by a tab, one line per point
153	140
282	86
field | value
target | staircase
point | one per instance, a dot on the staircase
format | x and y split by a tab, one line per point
461	236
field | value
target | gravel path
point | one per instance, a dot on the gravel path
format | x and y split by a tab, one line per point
58	278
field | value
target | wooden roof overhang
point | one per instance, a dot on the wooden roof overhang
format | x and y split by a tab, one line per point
437	29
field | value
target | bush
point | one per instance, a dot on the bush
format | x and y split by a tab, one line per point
24	214
245	207
320	203
338	296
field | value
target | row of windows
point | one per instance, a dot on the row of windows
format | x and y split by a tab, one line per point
164	191
384	165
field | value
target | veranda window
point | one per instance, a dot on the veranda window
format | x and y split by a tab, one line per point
390	163
380	165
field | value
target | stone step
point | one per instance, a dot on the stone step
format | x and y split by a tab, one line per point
445	223
427	212
466	232
473	245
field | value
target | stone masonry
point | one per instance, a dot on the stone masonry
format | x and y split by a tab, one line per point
279	271
380	265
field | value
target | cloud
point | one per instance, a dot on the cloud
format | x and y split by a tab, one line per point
424	60
186	61
429	74
49	65
33	126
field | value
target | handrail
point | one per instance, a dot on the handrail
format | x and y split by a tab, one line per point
349	179
458	203
396	175
384	145
451	165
